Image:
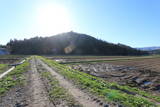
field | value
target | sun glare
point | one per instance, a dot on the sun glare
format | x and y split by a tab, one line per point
52	19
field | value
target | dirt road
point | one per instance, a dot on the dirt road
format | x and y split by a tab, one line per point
79	95
35	93
39	96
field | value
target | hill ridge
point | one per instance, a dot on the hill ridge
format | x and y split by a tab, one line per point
71	43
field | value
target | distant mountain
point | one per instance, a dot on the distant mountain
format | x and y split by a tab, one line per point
149	48
70	43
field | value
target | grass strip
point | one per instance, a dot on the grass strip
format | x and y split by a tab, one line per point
58	93
115	85
13	78
3	68
103	88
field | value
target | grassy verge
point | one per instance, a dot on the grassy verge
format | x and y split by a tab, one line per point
14	78
57	93
3	68
104	89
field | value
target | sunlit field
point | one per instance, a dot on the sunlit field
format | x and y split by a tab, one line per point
79	53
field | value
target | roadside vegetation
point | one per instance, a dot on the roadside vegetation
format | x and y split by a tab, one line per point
125	95
13	78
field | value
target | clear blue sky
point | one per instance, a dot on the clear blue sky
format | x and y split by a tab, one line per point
132	22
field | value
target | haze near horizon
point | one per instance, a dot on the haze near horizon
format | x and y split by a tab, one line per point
135	23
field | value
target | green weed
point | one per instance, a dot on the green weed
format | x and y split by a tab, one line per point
103	89
14	78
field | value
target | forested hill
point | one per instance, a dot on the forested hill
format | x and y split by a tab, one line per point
69	43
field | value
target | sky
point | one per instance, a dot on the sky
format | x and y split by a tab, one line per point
132	22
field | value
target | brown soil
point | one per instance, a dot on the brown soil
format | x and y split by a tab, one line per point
9	61
80	96
144	73
34	93
16	97
39	96
31	94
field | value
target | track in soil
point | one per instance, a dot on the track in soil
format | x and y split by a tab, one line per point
35	94
79	95
39	95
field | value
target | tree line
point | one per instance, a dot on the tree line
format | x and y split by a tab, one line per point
70	43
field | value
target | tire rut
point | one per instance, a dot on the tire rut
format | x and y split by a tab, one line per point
79	95
39	96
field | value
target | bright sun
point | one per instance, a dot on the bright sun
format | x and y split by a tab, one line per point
52	19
